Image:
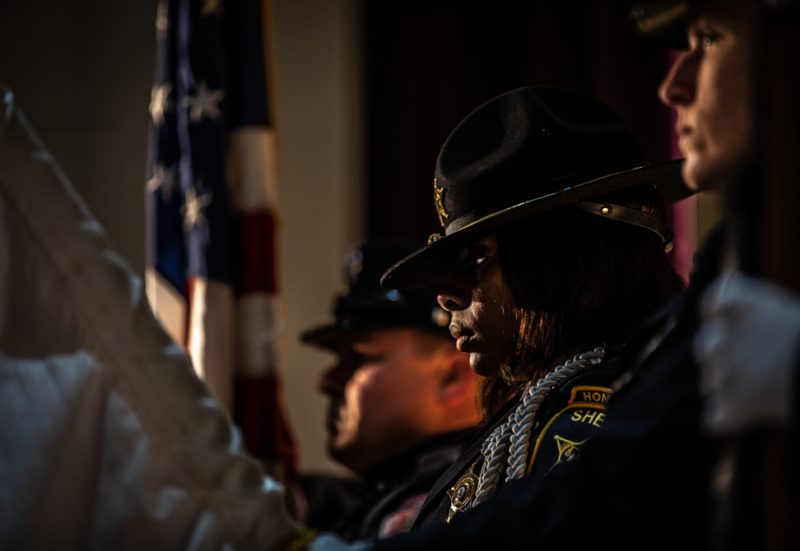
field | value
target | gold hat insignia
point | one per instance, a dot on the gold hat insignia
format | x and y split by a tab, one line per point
438	199
434	237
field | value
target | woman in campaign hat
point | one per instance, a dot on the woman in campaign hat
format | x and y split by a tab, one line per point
553	251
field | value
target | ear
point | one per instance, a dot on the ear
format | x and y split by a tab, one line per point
458	382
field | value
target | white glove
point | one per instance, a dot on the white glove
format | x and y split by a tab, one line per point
747	349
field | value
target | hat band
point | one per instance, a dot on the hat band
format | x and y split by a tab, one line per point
473	218
630	216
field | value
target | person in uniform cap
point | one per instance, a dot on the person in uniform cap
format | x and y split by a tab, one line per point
553	252
401	399
734	89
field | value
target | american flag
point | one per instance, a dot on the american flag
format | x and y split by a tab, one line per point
212	205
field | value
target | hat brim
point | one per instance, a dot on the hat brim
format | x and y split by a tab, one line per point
663	21
324	336
436	262
328	337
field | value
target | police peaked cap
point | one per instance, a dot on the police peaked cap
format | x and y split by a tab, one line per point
367	305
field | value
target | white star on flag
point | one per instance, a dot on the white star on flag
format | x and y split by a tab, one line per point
212	7
192	210
159	102
164	179
204	103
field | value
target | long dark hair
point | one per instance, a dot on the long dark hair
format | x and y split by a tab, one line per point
578	281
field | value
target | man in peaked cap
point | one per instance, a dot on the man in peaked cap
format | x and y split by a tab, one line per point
401	397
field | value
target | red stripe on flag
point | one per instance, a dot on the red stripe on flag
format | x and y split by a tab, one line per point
258	412
253	250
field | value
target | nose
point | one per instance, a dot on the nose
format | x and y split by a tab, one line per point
679	87
453	296
334	379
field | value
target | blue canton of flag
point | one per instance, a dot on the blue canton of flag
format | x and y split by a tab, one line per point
188	195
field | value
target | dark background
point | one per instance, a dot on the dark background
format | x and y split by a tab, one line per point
429	64
81	72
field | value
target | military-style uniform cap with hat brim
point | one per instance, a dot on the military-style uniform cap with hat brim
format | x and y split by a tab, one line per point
523	153
368	306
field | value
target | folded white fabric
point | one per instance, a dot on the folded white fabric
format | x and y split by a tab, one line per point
748	351
107	438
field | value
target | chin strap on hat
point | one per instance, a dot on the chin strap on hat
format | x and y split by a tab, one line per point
631	216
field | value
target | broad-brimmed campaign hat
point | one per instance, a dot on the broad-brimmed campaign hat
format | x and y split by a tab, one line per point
526	152
367	305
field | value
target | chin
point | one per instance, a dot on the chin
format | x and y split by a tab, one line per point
710	173
341	455
693	174
482	366
332	450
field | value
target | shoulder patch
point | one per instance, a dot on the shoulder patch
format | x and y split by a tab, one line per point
403	518
563	435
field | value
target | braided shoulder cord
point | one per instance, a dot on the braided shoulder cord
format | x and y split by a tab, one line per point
494	452
516	431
